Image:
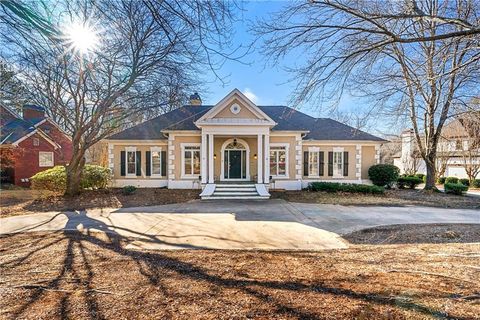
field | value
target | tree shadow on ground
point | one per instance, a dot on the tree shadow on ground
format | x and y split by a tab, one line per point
77	275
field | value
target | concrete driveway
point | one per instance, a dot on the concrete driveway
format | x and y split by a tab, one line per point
273	224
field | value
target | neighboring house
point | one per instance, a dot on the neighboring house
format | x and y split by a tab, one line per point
236	144
35	141
456	152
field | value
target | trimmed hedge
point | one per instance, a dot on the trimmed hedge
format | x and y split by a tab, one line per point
441	180
409	182
451	180
464	181
476	183
455	188
345	187
383	174
420	175
55	179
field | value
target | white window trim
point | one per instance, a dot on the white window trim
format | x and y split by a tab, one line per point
336	176
182	147
127	150
152	150
53	159
287	162
312	150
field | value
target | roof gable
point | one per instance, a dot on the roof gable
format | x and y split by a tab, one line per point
237	106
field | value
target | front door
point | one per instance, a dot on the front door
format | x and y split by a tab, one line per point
235	164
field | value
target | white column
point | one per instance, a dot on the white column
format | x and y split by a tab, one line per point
203	163
267	159
210	159
259	158
358	162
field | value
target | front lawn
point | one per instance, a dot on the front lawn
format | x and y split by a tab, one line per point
75	275
390	198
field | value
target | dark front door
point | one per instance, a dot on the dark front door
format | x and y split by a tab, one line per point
235	161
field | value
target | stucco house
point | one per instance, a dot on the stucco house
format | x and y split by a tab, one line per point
236	149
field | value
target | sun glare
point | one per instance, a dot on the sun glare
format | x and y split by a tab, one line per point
82	38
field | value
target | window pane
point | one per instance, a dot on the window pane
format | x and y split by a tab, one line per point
282	162
45	159
196	162
131	169
273	163
156	162
338	163
313	163
188	162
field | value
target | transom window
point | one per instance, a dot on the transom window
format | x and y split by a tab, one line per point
191	160
337	163
45	159
278	161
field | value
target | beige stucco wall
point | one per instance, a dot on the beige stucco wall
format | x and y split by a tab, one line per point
327	148
177	144
368	159
244	113
140	147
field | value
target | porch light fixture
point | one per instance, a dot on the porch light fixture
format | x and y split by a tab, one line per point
214	156
255	156
234	142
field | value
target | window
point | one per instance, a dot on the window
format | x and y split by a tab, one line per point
156	159
313	163
458	145
337	164
191	160
36	142
131	163
278	161
45	159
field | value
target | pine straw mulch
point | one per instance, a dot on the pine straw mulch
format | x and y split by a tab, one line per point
74	275
16	202
390	198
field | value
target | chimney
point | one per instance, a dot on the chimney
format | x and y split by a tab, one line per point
195	99
31	111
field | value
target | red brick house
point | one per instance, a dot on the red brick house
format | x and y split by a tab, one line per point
35	141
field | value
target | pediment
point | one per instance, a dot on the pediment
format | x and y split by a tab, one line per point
235	108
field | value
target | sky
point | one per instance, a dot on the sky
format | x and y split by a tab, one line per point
264	85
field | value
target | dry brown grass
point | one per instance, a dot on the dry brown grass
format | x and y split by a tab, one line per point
390	198
73	275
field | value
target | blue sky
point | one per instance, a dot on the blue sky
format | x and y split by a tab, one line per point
266	85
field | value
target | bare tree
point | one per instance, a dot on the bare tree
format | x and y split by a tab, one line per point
415	58
97	64
470	145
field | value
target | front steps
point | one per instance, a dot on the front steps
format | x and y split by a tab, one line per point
229	191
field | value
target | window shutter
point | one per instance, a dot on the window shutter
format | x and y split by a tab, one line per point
163	170
123	156
305	163
330	163
139	163
148	163
321	159
345	163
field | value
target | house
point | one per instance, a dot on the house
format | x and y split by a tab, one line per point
237	148
457	152
34	142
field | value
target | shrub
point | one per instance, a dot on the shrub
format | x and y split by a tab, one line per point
420	175
464	181
409	182
95	177
55	179
451	180
476	183
127	190
441	180
455	188
383	174
345	187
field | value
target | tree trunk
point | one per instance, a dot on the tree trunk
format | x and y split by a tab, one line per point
430	179
74	174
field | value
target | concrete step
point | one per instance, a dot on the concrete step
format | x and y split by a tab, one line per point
228	185
236	189
216	193
235	198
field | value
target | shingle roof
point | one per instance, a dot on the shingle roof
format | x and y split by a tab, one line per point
17	128
287	119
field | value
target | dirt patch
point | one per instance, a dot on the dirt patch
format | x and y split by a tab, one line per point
390	198
417	233
74	275
15	202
